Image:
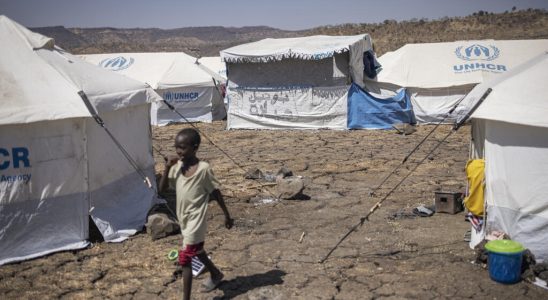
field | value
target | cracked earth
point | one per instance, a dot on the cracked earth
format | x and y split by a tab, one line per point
274	248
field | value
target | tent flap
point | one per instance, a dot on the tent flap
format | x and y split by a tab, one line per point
118	197
516	174
368	112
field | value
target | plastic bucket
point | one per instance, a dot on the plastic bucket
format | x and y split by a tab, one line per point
504	260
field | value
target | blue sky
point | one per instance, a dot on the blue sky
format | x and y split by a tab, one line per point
283	14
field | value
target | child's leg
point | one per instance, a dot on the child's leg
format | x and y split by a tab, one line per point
187	282
185	261
213	270
215	275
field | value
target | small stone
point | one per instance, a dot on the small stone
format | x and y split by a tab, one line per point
528	275
539	268
543	275
404	128
284	172
290	187
254	174
528	260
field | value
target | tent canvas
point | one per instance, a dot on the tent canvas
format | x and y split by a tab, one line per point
191	88
293	83
438	75
510	130
57	166
215	64
366	111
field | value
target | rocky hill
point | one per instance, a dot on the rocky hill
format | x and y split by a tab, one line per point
204	41
391	35
388	35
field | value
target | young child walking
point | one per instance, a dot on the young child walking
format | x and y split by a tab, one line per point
195	186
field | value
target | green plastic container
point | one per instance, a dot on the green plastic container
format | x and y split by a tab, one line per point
504	260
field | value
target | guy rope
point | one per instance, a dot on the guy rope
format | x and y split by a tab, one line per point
377	205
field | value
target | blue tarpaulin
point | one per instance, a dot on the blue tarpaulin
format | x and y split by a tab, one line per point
368	112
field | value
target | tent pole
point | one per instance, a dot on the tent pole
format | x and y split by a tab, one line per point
471	111
101	123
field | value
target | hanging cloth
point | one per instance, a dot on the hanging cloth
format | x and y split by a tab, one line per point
475	172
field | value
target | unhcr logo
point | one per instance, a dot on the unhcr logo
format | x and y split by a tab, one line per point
477	52
478	58
12	159
181	96
117	63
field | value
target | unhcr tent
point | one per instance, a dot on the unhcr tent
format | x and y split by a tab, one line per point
58	167
215	64
510	131
192	89
438	75
293	83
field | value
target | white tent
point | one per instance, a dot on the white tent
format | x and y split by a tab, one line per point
298	83
510	131
58	167
438	75
215	64
189	87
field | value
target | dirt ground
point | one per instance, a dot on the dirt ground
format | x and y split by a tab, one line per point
274	248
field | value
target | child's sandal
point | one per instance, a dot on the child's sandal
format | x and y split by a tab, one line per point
211	284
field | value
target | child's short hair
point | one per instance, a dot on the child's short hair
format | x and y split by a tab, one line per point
192	135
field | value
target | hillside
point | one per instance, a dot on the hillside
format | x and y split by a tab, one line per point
388	35
204	41
391	35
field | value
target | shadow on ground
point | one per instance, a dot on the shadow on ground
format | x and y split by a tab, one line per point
243	284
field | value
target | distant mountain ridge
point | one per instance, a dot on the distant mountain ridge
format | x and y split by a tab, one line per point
388	35
204	41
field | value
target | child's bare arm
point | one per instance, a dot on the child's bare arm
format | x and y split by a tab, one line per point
162	188
216	194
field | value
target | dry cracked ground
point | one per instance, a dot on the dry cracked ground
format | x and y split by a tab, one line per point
274	248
